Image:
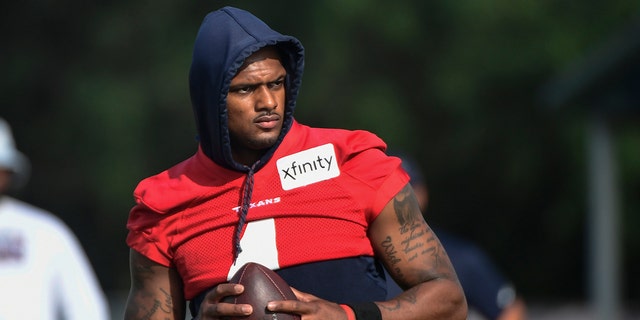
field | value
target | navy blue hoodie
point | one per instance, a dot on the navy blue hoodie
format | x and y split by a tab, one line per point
226	38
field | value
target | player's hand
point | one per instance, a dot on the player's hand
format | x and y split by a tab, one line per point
309	307
212	308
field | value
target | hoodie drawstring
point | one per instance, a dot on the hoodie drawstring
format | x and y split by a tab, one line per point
246	203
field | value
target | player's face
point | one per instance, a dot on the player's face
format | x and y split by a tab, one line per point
255	105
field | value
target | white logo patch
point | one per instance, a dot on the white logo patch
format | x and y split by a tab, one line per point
308	166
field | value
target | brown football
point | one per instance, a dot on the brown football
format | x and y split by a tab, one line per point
261	285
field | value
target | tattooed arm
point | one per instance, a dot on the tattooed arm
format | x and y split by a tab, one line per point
156	291
415	258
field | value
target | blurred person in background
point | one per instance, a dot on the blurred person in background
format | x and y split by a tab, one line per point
44	272
490	295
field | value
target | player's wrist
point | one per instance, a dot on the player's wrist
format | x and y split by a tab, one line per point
364	311
350	314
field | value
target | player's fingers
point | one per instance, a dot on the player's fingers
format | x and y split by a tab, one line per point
223	290
217	310
302	296
289	306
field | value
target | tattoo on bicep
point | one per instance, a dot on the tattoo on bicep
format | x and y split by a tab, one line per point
156	306
437	260
142	273
167	307
414	229
392	256
434	250
159	306
406	205
411	224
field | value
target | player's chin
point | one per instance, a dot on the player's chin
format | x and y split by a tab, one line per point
265	140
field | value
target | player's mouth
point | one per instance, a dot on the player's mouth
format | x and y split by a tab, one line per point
267	122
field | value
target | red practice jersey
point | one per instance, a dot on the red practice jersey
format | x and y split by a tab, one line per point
312	201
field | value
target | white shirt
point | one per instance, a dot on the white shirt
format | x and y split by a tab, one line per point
44	271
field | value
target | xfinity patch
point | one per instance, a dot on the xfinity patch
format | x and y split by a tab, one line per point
308	166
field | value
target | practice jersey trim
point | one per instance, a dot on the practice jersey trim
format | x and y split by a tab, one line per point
308	166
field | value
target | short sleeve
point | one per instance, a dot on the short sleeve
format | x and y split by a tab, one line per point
150	234
366	161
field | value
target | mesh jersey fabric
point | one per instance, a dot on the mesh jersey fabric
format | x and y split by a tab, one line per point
185	217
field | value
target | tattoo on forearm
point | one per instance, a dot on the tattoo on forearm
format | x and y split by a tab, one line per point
409	296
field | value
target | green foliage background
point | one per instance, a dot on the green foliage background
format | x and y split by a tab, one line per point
97	95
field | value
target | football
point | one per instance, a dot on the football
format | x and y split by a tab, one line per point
261	285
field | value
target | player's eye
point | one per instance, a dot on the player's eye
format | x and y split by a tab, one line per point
276	84
242	90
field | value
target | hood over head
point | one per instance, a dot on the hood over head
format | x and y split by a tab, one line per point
226	38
